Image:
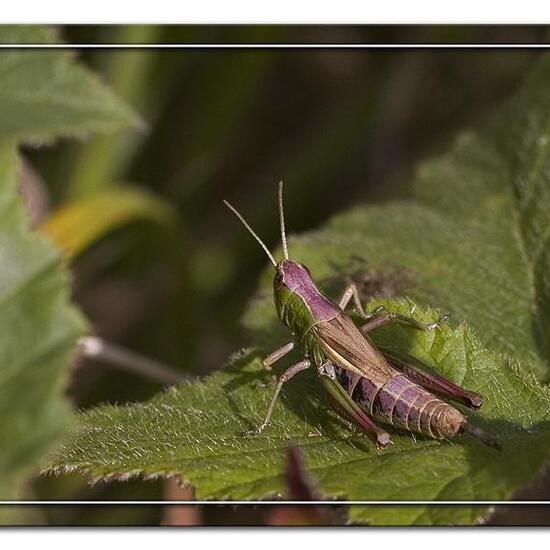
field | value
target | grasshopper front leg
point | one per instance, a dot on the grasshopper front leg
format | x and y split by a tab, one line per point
285	377
382	319
351	292
379	317
272	358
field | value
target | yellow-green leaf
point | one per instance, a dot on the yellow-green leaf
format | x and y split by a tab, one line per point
78	224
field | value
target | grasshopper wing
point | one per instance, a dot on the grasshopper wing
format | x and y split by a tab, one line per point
348	348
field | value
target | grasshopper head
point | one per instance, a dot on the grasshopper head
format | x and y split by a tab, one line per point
292	284
289	275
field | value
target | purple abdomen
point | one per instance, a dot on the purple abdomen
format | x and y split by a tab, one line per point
403	403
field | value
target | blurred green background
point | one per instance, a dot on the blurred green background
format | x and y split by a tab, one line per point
338	126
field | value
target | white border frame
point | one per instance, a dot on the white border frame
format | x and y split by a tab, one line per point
193	46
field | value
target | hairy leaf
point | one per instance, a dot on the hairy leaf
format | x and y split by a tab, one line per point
195	432
39	332
471	240
45	94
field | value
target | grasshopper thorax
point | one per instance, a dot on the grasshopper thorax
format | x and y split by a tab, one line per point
289	277
293	275
292	279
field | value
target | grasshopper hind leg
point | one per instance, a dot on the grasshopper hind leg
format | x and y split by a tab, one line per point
433	382
348	409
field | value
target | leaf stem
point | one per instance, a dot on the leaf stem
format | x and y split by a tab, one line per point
94	347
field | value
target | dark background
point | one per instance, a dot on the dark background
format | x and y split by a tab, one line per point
338	126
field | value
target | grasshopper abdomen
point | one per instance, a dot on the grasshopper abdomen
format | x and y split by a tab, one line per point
404	404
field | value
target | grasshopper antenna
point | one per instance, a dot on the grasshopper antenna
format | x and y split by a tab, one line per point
269	255
282	221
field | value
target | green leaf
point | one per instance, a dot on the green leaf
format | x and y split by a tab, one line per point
194	431
45	94
471	240
39	331
78	224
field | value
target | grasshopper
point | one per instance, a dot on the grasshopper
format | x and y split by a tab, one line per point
364	383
